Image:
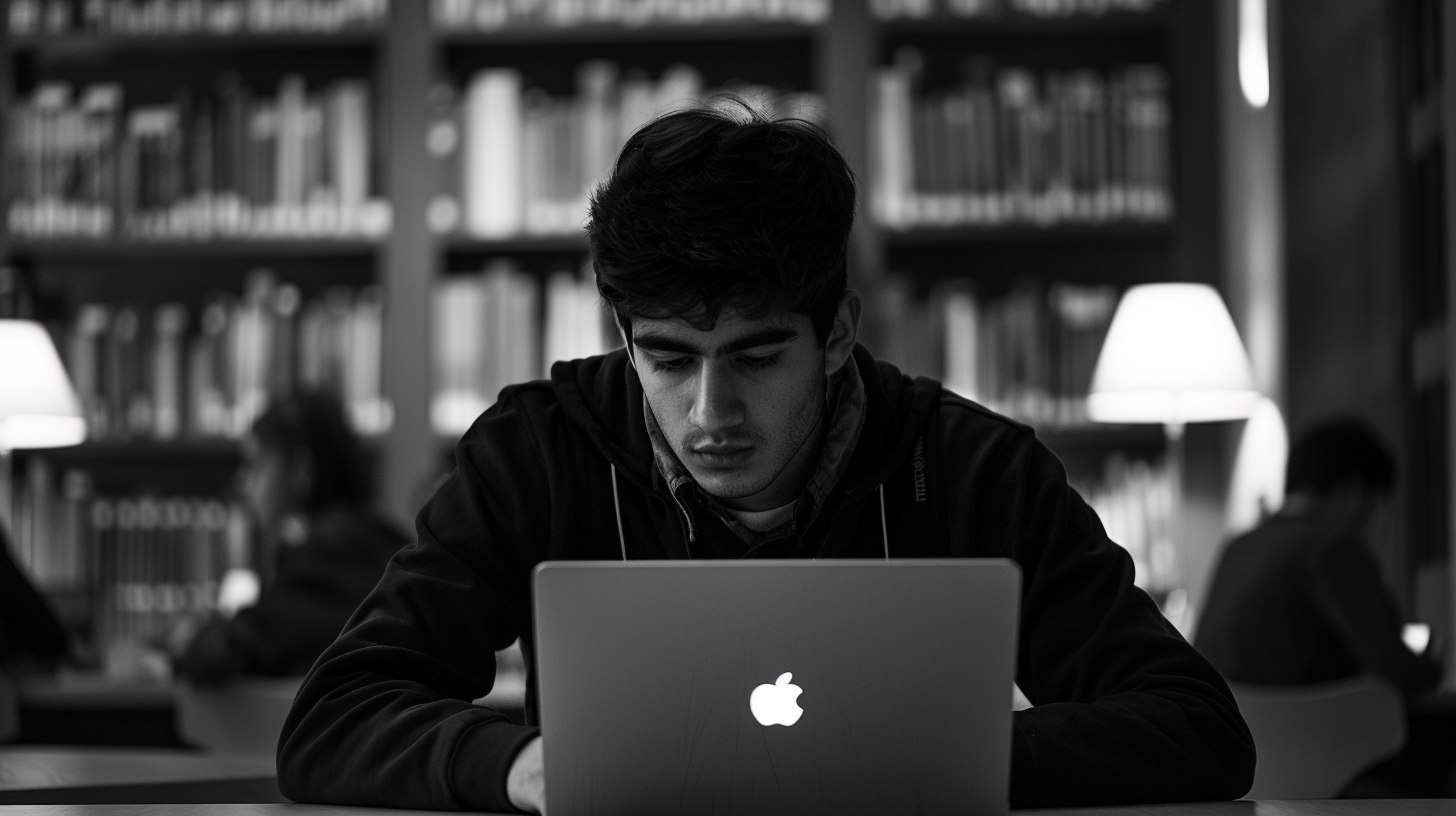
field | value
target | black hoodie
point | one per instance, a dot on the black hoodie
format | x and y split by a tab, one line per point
1124	710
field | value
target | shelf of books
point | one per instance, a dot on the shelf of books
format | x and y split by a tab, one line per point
202	239
633	21
1021	173
193	203
40	19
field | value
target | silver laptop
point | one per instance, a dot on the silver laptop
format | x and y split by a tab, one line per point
776	687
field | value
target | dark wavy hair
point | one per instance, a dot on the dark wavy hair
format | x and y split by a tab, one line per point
718	208
1336	451
313	421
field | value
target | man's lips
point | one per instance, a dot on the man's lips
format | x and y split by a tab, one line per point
722	456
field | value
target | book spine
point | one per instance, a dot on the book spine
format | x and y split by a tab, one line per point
893	140
537	158
289	165
493	154
350	146
170	322
364	392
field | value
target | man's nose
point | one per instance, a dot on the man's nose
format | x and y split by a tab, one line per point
716	406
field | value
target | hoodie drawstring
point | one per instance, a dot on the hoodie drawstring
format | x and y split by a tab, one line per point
617	505
884	529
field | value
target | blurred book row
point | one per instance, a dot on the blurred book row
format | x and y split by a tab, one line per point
514	160
142	572
230	163
1029	353
159	374
1009	145
224	17
498	327
494	15
217	17
922	9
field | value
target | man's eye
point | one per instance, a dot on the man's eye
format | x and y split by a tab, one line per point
766	361
670	364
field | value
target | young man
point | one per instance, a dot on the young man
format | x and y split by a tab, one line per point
742	420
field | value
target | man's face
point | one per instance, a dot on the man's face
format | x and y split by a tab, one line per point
740	405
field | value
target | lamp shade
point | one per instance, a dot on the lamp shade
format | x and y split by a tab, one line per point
38	406
1172	356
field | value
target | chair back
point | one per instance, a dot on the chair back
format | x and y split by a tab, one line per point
243	717
1313	740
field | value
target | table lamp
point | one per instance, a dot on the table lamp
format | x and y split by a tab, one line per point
1172	356
38	406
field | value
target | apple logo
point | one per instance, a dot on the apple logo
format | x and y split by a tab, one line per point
776	704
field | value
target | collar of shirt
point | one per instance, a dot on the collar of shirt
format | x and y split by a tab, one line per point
844	403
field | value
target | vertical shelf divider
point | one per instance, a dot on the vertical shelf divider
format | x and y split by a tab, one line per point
847	50
1447	85
409	258
7	89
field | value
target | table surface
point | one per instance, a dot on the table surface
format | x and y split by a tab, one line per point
82	691
29	768
1333	807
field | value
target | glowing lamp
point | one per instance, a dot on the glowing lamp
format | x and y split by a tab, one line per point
38	406
1172	356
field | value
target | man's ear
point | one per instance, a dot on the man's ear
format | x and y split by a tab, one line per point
843	332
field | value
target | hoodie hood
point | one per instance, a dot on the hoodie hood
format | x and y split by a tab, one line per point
603	397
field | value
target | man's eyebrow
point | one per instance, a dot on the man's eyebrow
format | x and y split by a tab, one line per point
765	337
667	344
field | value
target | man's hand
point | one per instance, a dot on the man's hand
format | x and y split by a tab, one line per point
526	782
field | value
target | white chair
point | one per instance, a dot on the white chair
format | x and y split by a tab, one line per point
243	717
1313	740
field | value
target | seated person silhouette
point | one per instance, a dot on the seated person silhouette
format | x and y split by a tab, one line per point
306	490
1300	599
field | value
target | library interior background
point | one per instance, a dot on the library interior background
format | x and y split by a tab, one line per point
212	205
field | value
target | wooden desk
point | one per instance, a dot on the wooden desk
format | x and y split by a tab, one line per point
1335	807
39	776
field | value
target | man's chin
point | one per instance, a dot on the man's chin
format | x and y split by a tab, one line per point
728	485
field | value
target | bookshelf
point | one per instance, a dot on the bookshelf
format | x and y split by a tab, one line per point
811	56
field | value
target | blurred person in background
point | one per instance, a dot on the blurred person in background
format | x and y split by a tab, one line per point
306	489
1300	600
